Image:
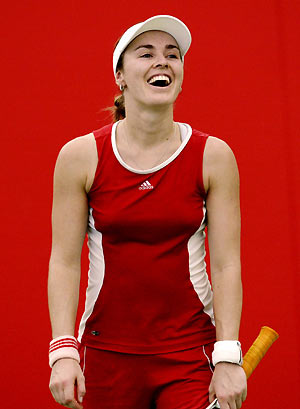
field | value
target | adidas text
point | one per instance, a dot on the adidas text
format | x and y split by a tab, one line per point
146	185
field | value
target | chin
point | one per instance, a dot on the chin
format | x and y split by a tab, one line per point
161	99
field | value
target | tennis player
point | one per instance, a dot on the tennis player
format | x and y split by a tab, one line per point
153	335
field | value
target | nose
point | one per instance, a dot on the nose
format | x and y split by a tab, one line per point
161	62
161	65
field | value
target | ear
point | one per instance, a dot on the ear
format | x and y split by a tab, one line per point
119	78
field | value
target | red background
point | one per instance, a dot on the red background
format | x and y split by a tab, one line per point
241	84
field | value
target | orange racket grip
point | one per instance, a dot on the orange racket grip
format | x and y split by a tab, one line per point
258	349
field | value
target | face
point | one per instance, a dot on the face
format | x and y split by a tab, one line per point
152	71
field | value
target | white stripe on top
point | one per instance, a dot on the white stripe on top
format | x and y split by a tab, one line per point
96	272
197	267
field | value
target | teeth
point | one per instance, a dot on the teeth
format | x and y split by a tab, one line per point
159	78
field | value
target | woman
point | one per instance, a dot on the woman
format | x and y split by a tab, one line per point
147	187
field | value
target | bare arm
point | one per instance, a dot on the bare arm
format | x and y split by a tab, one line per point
69	220
223	215
223	211
72	179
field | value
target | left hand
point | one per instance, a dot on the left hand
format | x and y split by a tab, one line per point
229	385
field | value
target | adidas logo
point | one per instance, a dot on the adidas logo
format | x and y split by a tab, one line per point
146	185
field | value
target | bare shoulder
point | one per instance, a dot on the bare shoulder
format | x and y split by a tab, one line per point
78	159
77	149
218	162
216	150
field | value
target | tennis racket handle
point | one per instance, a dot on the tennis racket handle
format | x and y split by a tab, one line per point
258	349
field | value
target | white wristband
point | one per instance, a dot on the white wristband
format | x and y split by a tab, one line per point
227	351
63	347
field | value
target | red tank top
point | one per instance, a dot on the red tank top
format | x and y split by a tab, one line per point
148	290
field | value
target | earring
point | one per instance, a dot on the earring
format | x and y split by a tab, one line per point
121	87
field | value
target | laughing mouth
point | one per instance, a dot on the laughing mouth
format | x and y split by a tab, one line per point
159	81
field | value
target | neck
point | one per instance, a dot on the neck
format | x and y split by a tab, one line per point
147	127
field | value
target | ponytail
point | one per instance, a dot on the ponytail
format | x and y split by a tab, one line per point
118	110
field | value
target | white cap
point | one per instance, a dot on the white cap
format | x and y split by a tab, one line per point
168	24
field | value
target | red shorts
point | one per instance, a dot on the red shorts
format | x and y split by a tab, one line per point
174	380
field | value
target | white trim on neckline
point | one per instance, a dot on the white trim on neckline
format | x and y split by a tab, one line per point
185	131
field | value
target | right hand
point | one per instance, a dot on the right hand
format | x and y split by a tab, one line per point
66	374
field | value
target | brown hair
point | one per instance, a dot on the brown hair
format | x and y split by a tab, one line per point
118	109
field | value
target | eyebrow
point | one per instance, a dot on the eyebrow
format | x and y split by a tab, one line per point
150	47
